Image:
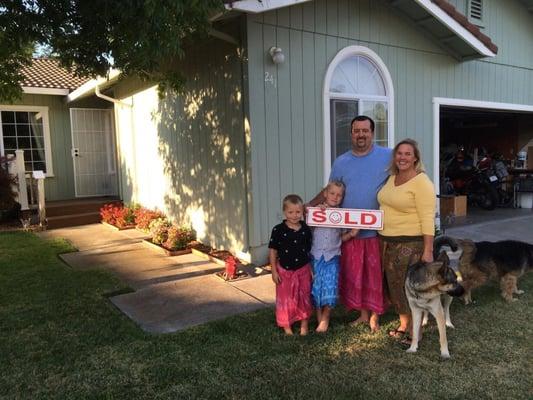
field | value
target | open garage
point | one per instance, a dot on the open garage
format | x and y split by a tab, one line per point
486	155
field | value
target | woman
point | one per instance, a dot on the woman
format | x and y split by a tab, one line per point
408	202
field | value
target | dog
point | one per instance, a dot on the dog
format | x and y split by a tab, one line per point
480	262
424	285
446	299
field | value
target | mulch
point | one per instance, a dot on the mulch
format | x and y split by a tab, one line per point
220	254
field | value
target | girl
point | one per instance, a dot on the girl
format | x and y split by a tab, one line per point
326	252
289	247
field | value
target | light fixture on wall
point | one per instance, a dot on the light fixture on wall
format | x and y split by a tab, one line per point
277	55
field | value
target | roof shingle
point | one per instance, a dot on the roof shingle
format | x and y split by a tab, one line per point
47	73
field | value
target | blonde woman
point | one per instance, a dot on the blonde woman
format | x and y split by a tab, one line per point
408	202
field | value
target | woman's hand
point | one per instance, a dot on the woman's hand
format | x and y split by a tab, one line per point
427	256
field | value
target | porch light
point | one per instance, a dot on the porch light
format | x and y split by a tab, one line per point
277	55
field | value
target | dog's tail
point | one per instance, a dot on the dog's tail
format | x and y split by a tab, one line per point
444	241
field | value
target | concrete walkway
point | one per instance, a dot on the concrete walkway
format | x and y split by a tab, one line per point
171	293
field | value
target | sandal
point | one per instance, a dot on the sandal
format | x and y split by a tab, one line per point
406	341
397	334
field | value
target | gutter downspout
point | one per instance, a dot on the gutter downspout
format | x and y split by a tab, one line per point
116	136
111	99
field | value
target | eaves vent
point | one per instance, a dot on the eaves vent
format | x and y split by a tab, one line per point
476	12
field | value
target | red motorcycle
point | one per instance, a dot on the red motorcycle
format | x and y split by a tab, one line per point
476	182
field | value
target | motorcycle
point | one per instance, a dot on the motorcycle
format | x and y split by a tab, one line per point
496	171
479	185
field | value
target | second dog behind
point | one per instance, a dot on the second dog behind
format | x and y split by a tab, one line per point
480	262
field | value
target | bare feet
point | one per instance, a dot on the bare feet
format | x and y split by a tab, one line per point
304	328
288	331
322	327
374	322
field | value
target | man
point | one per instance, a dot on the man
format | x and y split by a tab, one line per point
363	170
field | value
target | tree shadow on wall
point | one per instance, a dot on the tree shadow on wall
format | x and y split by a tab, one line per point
203	149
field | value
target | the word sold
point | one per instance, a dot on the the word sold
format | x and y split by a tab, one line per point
345	218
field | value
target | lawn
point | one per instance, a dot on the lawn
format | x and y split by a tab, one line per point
60	337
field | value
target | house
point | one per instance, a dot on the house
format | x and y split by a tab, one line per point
39	123
269	96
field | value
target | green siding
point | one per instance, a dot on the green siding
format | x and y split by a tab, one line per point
61	185
286	115
201	144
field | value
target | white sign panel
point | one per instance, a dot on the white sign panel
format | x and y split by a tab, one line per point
345	218
38	174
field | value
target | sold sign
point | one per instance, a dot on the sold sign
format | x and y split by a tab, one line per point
345	218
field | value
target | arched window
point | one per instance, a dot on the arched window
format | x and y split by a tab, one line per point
357	82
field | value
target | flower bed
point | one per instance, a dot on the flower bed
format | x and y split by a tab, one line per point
239	275
166	237
144	217
162	250
118	216
220	257
170	239
217	256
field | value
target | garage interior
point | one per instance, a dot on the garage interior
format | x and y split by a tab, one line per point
506	137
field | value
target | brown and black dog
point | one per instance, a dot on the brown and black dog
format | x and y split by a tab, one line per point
429	287
480	262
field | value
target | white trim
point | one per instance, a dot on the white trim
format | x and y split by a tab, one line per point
482	104
442	101
342	55
40	90
255	6
436	148
351	96
456	27
89	86
46	132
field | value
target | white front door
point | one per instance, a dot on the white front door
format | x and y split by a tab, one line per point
93	152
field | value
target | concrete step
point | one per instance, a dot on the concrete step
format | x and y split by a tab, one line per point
63	221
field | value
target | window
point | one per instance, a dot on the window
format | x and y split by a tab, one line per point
26	128
357	83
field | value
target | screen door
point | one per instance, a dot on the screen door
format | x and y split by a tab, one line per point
93	152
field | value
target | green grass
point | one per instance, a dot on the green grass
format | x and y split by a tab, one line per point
60	337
